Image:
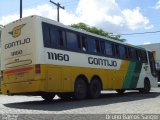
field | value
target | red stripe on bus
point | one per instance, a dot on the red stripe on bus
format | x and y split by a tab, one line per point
18	70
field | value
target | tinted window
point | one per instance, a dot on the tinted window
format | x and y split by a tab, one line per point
122	51
133	53
72	40
97	46
60	38
138	55
91	44
117	50
84	43
102	45
109	48
53	36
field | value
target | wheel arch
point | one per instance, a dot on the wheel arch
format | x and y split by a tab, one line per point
83	77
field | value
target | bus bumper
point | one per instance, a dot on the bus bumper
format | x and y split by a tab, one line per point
23	88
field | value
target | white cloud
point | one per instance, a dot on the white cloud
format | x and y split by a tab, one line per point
157	6
146	43
105	14
134	19
109	16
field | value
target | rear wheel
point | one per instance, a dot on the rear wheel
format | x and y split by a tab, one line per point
48	97
147	87
80	89
95	88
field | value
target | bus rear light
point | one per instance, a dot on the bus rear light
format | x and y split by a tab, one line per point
38	69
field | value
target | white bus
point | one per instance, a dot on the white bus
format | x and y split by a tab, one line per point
46	58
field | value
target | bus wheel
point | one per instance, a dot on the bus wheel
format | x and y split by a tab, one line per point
120	91
48	97
147	87
95	88
80	89
65	96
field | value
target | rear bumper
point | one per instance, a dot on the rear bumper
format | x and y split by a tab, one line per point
28	87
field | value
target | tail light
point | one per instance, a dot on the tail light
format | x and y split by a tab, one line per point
38	69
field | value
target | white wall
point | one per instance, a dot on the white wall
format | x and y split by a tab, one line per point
154	47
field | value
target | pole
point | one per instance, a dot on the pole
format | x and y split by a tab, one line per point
20	8
58	6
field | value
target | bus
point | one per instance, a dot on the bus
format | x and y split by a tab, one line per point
46	58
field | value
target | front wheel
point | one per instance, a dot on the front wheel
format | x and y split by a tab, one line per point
147	87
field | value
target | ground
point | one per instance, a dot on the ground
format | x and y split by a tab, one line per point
110	102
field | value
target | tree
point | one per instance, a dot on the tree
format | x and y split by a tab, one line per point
95	30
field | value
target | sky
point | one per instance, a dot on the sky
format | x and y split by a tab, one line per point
114	16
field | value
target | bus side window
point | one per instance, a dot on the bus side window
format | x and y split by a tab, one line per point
102	45
138	55
46	35
122	52
108	48
117	50
97	46
60	38
91	45
72	40
53	37
133	53
84	43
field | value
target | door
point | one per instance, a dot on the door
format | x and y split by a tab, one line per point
152	63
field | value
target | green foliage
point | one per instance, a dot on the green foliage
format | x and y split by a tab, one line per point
95	30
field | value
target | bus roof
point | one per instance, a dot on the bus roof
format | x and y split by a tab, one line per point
74	29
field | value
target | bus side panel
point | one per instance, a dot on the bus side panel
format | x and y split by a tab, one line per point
54	79
119	75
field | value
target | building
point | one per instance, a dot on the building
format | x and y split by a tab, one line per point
0	52
156	49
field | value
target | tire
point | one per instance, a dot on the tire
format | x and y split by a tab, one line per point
147	87
65	96
95	88
48	97
120	91
80	89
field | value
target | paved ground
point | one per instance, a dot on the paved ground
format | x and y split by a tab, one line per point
109	103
